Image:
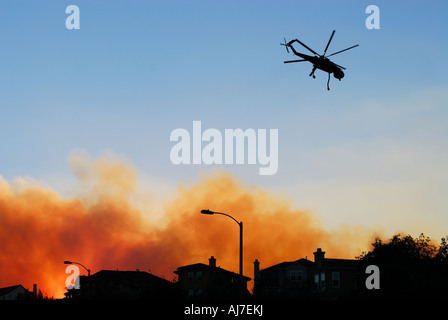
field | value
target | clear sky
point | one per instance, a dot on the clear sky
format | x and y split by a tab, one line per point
372	151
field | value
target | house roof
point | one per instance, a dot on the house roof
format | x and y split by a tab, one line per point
201	266
341	263
134	276
330	263
281	265
7	290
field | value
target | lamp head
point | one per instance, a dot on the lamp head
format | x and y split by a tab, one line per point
207	211
67	262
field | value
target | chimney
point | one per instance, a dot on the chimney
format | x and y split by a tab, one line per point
34	291
256	271
319	255
212	262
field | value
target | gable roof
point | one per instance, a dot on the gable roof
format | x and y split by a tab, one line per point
6	290
131	276
328	262
282	265
201	266
341	263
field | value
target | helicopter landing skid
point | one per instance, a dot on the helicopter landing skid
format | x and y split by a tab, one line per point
312	73
314	77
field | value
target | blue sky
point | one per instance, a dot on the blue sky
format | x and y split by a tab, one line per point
372	151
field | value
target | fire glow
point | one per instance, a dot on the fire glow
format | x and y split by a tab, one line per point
102	227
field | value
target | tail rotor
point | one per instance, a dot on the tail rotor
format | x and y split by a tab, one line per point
285	44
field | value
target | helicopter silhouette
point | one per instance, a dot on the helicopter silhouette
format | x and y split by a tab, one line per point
319	61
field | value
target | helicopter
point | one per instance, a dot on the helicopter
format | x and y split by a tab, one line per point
319	61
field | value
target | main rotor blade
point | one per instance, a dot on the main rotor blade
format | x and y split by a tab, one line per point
293	61
343	50
308	47
339	66
325	51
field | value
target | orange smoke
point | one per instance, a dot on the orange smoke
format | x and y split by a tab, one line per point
103	228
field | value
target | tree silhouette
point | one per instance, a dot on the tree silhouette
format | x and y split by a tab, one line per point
409	268
442	253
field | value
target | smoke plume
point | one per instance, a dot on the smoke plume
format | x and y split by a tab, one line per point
105	226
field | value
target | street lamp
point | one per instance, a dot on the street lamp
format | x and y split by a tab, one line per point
209	212
71	262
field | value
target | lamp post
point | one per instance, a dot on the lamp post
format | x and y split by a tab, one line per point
87	292
241	234
71	262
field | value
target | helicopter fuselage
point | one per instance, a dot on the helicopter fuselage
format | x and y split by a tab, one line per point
321	63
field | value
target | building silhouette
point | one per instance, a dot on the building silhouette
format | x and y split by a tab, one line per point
18	292
334	278
322	279
123	285
202	281
285	279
